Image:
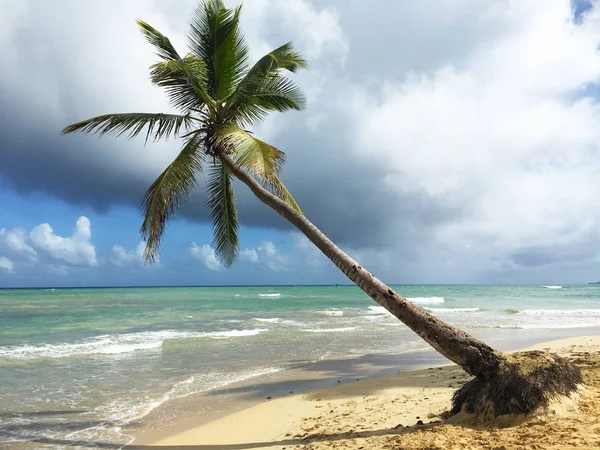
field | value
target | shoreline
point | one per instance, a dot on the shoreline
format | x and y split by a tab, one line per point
280	418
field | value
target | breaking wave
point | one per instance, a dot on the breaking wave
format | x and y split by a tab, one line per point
427	300
332	312
451	310
114	344
331	330
277	320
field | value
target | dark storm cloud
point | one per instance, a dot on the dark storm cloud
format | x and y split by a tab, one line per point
342	195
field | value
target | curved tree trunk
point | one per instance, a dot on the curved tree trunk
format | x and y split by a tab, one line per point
474	356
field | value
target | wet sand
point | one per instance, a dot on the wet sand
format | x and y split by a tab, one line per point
383	412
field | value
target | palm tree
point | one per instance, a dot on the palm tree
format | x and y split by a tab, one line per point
218	97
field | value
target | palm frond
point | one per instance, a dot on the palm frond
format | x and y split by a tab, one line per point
251	153
215	37
264	89
263	95
160	126
282	192
223	213
166	195
284	57
184	81
161	43
263	160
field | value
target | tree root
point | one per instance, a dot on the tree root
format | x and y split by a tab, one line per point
526	383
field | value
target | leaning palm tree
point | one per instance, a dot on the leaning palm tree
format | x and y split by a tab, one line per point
218	96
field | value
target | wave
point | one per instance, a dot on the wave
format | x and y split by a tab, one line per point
546	326
115	344
551	318
332	312
331	330
562	312
553	287
451	310
277	320
122	412
378	311
269	295
427	300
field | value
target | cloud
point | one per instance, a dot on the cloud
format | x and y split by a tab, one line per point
506	144
14	241
270	257
42	246
310	254
266	256
6	264
206	255
249	255
121	257
76	250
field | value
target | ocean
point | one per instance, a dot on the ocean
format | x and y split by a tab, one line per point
80	366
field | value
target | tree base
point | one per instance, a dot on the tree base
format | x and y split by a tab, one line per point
526	383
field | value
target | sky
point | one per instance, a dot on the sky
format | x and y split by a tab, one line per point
445	141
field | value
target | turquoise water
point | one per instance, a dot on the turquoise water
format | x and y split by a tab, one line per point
80	364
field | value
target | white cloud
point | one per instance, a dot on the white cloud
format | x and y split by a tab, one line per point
6	264
270	257
316	31
309	251
76	250
507	137
206	255
15	241
121	257
249	255
42	247
266	256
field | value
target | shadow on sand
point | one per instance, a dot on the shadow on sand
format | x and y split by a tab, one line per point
244	446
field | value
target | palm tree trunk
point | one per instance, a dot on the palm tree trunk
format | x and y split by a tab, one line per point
474	356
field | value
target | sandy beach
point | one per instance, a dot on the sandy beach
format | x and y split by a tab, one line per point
402	411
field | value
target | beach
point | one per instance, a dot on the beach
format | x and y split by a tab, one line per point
101	367
401	411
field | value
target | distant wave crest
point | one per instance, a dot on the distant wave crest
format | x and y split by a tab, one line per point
378	311
553	287
270	295
331	330
561	312
427	300
114	344
277	320
332	312
451	310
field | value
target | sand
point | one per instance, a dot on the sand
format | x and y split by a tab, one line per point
401	411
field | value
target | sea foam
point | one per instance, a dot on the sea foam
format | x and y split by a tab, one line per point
427	300
270	295
331	330
451	310
114	344
277	320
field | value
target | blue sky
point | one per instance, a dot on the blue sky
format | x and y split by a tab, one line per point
458	144
178	265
